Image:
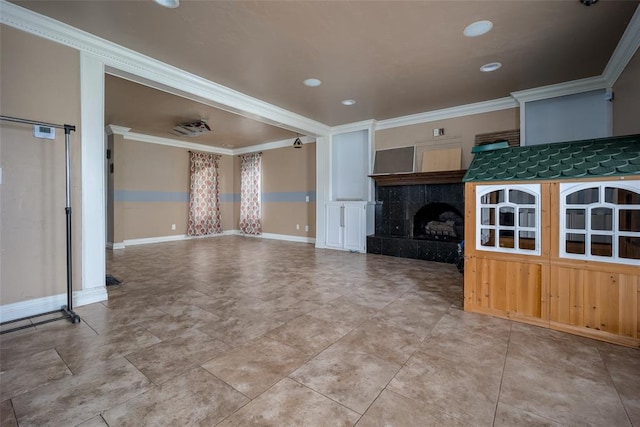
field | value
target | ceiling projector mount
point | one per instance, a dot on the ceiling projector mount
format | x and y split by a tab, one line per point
194	128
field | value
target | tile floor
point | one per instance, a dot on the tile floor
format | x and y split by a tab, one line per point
302	337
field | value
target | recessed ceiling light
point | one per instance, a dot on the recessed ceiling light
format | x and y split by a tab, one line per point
312	82
478	28
492	66
171	4
348	102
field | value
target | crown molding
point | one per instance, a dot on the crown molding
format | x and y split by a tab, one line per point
354	127
449	113
119	59
284	143
626	48
561	89
140	137
116	130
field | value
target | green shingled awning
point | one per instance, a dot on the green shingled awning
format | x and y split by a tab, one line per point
606	157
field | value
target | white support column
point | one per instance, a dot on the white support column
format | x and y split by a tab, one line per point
323	186
93	185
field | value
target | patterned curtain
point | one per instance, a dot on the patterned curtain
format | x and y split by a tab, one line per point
250	177
204	195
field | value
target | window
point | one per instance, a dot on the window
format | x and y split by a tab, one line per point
601	221
508	218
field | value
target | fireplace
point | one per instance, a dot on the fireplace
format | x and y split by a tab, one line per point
438	221
419	220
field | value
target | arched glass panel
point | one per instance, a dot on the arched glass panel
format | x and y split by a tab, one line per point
607	225
583	197
521	197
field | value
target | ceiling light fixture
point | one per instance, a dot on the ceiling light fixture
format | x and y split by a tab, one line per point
312	82
348	102
492	66
297	143
170	4
478	28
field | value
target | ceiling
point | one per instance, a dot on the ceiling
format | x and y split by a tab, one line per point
394	58
153	112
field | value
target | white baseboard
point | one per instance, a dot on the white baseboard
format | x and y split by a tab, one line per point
285	237
90	296
161	239
149	240
173	238
36	306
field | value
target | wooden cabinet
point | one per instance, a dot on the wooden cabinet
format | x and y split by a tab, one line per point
347	226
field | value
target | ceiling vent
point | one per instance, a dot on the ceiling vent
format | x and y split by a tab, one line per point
191	129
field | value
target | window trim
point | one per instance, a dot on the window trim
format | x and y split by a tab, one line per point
532	189
569	188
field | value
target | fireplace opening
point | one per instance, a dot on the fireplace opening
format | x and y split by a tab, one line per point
438	221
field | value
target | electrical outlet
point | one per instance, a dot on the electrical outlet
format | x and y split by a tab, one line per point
306	199
297	226
173	226
306	228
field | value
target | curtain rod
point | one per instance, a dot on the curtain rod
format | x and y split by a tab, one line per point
67	128
257	152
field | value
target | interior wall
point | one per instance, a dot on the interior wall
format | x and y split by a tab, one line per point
227	194
288	177
39	80
459	132
626	120
151	190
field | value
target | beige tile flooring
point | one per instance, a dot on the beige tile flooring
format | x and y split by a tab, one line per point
239	331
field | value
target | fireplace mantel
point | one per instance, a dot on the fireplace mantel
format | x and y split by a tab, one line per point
445	177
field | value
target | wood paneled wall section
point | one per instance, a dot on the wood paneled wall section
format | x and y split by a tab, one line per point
500	286
598	301
594	299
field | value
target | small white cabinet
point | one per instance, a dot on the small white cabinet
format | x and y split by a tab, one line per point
347	226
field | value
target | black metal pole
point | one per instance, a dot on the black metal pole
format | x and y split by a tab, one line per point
68	309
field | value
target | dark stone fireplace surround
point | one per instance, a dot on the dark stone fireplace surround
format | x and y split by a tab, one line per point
396	207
